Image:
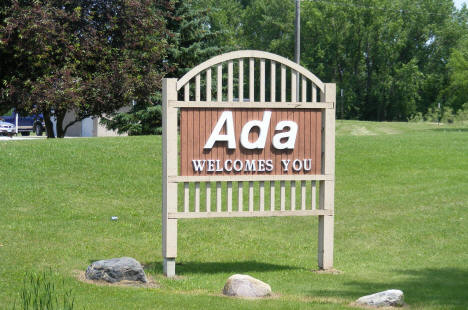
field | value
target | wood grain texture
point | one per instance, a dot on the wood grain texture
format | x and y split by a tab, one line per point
198	125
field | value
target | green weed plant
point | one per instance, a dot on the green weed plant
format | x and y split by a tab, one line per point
44	291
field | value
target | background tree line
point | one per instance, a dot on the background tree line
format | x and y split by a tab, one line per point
393	59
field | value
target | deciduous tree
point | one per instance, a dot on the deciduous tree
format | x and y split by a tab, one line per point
89	57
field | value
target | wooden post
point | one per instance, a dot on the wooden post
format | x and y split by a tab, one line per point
327	187
169	226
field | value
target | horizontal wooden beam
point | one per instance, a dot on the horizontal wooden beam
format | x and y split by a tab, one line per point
197	215
242	178
253	105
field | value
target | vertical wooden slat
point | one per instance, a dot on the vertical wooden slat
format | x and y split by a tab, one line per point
251	80
208	84
219	93
183	142
251	196
197	87
304	90
303	195
229	196
314	93
272	195
282	196
196	130
188	145
293	86
230	80
283	83
240	196
262	196
293	195
186	197
241	80
208	196
187	92
314	195
273	82
262	80
218	196
197	197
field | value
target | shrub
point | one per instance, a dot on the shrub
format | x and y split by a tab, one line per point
432	115
447	115
416	118
462	114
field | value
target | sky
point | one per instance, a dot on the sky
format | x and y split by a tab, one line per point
458	3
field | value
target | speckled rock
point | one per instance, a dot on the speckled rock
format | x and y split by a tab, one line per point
240	285
116	270
390	298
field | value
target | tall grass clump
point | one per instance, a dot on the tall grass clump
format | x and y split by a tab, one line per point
44	291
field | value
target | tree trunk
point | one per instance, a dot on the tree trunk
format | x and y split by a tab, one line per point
367	108
60	131
49	125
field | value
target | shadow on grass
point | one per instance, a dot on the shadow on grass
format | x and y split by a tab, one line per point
446	287
184	268
456	129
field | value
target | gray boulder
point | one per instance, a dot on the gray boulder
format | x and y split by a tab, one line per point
116	269
246	286
389	298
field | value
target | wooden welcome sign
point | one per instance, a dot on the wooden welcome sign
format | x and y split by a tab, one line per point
252	142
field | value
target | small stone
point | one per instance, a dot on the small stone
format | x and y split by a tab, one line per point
116	270
389	298
240	285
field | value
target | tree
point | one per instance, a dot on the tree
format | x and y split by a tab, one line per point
191	41
90	57
226	19
456	92
388	56
269	26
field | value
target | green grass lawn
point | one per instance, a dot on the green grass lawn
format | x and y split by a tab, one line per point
401	222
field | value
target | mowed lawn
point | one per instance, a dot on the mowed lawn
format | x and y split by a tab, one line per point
401	222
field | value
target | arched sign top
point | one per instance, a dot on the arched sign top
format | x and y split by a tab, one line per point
249	54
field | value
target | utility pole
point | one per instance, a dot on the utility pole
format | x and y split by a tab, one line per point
297	46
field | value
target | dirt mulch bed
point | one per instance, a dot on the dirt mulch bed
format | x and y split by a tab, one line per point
80	275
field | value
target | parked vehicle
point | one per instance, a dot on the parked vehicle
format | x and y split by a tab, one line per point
26	124
7	129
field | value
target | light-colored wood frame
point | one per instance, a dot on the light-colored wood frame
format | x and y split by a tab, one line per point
169	225
251	105
214	209
258	177
250	54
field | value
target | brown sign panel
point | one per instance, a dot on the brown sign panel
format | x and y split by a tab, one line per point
221	141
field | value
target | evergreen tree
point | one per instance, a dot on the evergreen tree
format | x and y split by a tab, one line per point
191	41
